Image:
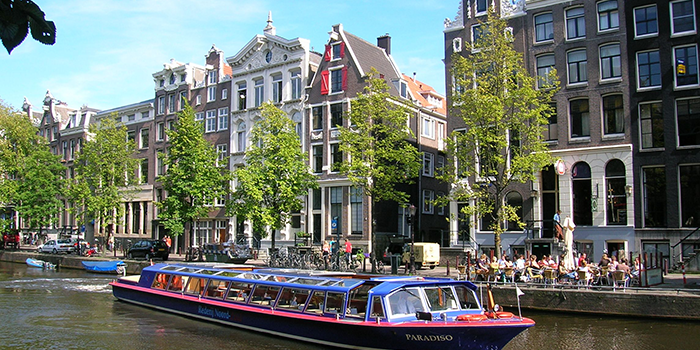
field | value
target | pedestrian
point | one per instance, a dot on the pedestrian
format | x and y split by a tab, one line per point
348	250
558	230
168	242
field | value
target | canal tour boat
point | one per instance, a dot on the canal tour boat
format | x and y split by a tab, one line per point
344	310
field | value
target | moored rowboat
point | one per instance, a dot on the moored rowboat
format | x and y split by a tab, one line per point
40	263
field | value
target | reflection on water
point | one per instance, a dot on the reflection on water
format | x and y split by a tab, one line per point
72	309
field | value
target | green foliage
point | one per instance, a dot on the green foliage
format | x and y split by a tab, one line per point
380	156
505	116
105	172
17	17
192	180
41	188
276	176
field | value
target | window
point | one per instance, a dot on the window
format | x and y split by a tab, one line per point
652	125
241	96
259	92
144	139
212	77
615	183
551	132
336	115
575	23
648	69
688	118
428	197
682	17
578	112
686	59
481	6
222	153
223	118
296	85
160	163
544	27
317	118
545	66
242	141
211	121
143	171
428	129
131	117
171	125
71	150
654	197
211	93
440	164
183	99
337	50
160	131
198	100
515	200
336	157
457	44
318	158
161	105
608	15
403	89
428	163
337	206
645	21
199	116
224	94
356	214
477	34
277	88
576	61
690	188
336	82
610	63
581	188
613	115
171	104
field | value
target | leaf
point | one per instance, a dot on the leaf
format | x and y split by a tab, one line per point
12	35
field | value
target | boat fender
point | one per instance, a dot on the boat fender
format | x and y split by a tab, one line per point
471	317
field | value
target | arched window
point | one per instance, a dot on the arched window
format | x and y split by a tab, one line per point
616	198
296	118
242	138
581	190
515	200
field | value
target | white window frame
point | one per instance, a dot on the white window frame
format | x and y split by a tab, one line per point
650	87
211	93
615	13
695	25
333	46
223	118
634	15
210	123
544	79
259	88
551	26
568	68
211	77
160	131
199	116
224	94
697	67
484	3
427	201
428	164
566	23
198	100
161	105
295	78
331	71
277	92
612	60
428	127
221	153
141	140
241	138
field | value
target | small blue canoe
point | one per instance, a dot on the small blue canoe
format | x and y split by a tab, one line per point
116	266
40	264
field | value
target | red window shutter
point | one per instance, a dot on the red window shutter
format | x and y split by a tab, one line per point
342	50
345	78
327	55
324	82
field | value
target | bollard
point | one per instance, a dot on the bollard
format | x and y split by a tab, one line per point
683	270
448	268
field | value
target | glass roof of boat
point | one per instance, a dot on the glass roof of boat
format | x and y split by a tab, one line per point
288	276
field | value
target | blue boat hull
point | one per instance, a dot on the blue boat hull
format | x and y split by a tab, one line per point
102	266
328	331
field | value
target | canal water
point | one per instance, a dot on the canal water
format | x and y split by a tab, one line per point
73	309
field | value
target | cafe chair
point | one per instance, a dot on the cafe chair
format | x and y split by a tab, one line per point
550	277
620	279
583	278
534	275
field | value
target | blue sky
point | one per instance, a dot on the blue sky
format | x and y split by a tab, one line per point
107	50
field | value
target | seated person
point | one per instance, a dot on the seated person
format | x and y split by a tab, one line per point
604	261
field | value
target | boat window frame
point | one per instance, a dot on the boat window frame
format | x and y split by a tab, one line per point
375	316
363	291
218	292
176	284
414	292
160	283
317	306
441	288
262	302
339	310
294	291
239	287
472	293
188	290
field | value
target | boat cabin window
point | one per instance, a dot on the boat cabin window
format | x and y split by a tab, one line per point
377	308
293	299
160	281
195	286
239	292
316	303
406	301
264	295
216	289
441	298
467	298
357	306
175	284
334	303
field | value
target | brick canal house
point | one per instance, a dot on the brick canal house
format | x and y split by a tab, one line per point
591	133
340	77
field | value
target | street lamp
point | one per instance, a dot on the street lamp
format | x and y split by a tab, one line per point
411	219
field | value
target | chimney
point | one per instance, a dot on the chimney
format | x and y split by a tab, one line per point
385	43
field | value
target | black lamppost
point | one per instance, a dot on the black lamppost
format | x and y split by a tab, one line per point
411	219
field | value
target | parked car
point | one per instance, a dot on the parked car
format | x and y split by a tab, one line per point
56	246
149	249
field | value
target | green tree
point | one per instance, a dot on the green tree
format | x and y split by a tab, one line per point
105	173
40	189
18	139
379	154
276	177
193	179
18	17
504	114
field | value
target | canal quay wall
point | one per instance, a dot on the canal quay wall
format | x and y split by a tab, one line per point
671	300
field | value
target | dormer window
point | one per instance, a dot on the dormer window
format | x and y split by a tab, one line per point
334	51
172	79
162	82
403	89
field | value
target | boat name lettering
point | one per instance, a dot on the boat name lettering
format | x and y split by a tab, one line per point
419	337
224	315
